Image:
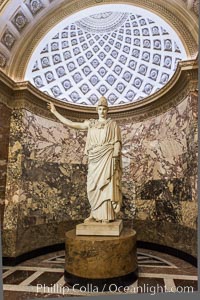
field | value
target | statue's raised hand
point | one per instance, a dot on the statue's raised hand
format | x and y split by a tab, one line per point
51	107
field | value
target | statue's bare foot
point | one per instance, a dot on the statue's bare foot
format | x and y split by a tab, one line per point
89	219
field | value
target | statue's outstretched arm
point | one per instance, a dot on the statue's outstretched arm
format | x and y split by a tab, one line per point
71	124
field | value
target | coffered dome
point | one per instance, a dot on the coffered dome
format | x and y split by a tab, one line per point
123	52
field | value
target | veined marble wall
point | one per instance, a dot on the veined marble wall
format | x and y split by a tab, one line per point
46	181
4	141
160	165
160	176
46	187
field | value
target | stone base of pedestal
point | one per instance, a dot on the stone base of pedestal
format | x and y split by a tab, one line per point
100	261
116	284
95	228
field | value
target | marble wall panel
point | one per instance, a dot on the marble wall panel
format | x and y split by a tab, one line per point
169	234
5	113
51	141
44	171
192	138
14	181
189	214
52	192
145	210
160	156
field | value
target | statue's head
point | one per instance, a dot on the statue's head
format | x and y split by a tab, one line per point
102	107
102	102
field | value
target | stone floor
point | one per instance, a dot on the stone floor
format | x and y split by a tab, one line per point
42	277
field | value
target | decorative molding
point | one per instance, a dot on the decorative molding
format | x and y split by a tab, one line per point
3	4
186	27
8	39
19	20
3	60
195	7
191	4
26	96
35	6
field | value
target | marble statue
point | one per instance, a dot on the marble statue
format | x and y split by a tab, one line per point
103	147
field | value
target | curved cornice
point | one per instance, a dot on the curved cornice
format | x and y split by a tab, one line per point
3	3
25	95
183	22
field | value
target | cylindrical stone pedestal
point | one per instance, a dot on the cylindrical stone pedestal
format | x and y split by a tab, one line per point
101	260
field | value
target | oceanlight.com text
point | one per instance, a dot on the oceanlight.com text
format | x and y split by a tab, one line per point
113	288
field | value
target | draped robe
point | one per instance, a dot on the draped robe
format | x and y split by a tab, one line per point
103	179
